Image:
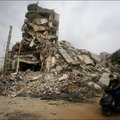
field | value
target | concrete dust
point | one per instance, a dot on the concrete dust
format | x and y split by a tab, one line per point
23	108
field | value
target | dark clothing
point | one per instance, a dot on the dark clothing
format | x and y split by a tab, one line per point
115	92
117	97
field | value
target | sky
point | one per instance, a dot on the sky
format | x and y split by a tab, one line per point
90	25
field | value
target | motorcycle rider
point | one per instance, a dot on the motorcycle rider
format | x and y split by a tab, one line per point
114	85
117	93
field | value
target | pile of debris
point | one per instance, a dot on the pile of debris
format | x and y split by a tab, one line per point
74	77
67	85
112	61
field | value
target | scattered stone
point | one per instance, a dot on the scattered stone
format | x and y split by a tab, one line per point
94	85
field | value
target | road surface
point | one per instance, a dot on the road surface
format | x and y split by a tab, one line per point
25	108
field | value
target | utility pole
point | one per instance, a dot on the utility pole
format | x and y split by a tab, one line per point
18	58
37	2
7	50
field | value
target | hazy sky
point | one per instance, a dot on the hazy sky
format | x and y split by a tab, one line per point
90	25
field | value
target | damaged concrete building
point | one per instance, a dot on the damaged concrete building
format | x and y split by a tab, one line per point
36	51
42	66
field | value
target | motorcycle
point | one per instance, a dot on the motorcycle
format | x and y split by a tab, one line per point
108	105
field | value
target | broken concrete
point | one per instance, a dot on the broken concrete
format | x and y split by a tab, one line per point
94	85
105	78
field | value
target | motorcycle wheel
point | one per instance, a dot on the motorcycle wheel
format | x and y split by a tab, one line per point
107	112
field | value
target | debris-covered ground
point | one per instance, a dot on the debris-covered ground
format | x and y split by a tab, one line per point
64	81
42	66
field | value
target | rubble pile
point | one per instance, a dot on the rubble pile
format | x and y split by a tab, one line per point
111	61
67	86
71	78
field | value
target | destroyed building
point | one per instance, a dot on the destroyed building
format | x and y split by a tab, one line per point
40	34
40	49
42	66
